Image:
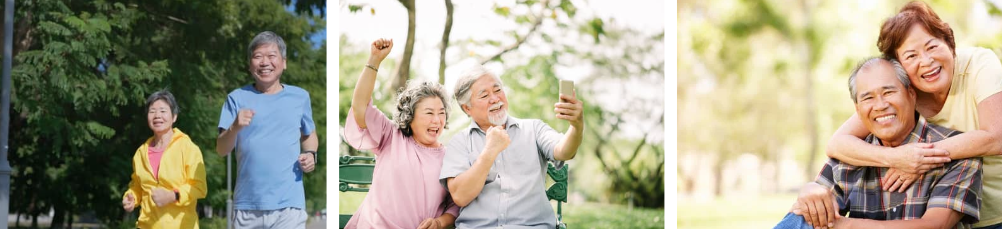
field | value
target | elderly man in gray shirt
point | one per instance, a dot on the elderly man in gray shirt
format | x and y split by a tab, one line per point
495	169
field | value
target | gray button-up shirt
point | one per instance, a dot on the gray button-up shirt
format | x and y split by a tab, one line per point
514	195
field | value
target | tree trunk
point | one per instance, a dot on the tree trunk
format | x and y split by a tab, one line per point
718	175
57	219
689	182
403	69
811	118
776	184
23	34
445	41
69	218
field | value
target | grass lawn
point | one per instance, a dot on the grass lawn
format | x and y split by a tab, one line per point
348	202
598	215
576	215
745	212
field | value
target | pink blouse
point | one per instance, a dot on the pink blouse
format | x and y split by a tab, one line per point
405	188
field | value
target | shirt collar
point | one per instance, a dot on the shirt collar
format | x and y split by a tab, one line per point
509	123
917	132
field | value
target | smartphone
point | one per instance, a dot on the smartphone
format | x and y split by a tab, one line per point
566	88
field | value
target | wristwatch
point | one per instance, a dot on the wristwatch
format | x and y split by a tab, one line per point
314	155
177	196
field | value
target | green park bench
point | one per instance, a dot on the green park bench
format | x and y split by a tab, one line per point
354	174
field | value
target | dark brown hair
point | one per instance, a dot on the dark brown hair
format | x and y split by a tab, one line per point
896	28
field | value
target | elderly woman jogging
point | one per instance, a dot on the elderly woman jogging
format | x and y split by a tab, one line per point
168	174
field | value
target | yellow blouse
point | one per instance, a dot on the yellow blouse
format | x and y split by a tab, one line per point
977	75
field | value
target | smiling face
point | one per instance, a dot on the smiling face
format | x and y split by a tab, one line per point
927	59
267	63
884	105
429	121
488	102
160	118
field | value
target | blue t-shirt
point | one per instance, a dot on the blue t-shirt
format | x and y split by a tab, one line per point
268	173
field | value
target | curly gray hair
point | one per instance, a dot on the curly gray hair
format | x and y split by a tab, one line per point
407	103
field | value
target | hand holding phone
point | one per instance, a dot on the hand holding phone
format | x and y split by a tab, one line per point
566	88
569	107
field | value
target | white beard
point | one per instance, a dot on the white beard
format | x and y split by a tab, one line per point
499	118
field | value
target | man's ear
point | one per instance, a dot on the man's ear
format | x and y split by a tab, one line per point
466	109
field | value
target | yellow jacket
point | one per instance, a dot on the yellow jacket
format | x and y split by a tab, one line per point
181	169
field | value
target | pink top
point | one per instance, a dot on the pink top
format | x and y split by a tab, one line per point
155	161
405	189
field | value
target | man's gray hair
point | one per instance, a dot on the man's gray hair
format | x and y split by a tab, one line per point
167	97
462	91
263	38
899	71
407	103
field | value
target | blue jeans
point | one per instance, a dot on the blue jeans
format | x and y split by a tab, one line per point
793	221
996	226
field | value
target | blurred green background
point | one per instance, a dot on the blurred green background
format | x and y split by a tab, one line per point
612	50
762	85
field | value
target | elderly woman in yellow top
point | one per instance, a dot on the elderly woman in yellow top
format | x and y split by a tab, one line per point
168	173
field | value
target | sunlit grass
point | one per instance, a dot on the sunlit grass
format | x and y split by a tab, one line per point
597	215
734	212
576	215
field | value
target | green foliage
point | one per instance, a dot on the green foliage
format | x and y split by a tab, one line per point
594	28
504	11
354	8
567	7
309	7
81	81
754	70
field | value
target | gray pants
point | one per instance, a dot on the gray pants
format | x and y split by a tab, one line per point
269	219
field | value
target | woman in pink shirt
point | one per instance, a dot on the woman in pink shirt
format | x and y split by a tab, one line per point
405	191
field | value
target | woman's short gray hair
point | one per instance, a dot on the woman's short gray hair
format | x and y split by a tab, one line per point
462	90
263	38
167	97
407	103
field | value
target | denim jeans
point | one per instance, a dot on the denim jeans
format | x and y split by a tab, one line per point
996	226
793	221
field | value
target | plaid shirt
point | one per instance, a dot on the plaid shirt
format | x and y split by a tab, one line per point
956	185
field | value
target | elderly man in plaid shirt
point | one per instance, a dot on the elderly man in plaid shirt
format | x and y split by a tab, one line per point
945	197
